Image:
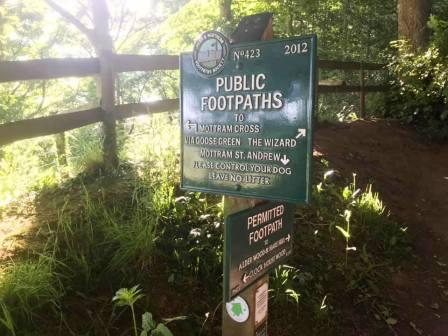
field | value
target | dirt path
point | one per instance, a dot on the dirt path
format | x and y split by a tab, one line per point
412	178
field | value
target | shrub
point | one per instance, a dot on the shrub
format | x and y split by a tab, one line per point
439	28
420	89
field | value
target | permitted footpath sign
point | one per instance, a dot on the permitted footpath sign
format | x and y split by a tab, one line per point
256	240
247	117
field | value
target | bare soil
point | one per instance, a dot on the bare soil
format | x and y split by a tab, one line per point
412	178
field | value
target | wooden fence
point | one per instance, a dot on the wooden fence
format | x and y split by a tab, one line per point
81	67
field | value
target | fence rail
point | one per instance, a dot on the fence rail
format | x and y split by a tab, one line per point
52	68
351	88
48	69
349	65
32	128
82	67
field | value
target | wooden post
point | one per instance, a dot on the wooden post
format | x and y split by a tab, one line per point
61	149
229	327
107	78
105	50
251	28
318	73
362	101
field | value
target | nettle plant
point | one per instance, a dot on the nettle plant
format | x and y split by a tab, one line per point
128	297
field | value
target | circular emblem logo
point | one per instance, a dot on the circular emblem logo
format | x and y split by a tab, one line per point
238	309
210	53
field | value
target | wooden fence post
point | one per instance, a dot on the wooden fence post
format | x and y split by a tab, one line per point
104	47
107	79
362	98
253	28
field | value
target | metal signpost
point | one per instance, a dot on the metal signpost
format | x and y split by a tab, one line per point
247	127
247	112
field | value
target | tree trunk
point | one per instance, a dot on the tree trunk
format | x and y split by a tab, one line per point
226	10
102	42
412	21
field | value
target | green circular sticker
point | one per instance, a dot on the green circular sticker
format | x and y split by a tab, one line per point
238	309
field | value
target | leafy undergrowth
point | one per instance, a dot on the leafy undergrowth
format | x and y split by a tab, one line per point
346	250
98	234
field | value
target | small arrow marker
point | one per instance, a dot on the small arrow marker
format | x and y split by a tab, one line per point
245	278
284	160
301	133
189	124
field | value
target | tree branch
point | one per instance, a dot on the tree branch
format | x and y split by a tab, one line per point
73	20
122	15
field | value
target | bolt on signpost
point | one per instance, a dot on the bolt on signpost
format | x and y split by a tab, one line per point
247	110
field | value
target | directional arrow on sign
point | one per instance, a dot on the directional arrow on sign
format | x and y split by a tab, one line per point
301	133
245	278
284	160
189	124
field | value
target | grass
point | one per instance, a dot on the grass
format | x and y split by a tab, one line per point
26	289
6	320
136	226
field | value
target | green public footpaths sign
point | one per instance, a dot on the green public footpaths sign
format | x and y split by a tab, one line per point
247	117
256	240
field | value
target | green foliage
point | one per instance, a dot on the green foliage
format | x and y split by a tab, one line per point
439	29
128	297
7	320
346	30
283	281
135	242
346	233
27	288
154	147
179	31
105	240
346	247
30	159
114	230
420	80
192	238
84	150
151	328
343	108
115	238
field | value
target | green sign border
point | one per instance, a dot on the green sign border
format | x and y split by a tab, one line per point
310	130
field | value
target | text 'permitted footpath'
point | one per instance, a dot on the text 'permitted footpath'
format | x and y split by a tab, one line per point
246	129
256	240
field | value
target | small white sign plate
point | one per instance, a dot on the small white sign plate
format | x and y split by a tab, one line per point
261	304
